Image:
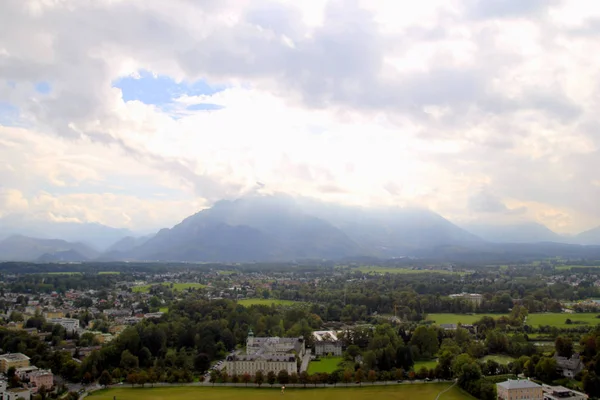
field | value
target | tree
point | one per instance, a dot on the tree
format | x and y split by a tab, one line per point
132	378
201	362
105	378
372	376
293	378
399	374
303	378
87	378
358	376
564	346
224	377
347	377
271	378
545	369
425	339
246	378
283	377
352	351
259	378
143	378
214	376
116	374
591	384
129	361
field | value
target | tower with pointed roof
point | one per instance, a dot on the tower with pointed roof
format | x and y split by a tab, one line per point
250	340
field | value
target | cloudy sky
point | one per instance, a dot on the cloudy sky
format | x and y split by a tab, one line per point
137	113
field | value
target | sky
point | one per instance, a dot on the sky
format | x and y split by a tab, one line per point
138	113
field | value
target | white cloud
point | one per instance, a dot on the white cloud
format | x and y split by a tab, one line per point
368	102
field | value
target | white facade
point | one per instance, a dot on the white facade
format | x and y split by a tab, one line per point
240	365
71	325
327	347
266	355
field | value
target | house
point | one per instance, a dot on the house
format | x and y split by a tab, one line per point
560	392
473	298
16	360
16	394
71	325
569	367
519	389
326	342
23	373
42	378
326	347
449	327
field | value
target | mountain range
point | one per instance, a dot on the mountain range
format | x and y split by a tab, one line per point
281	228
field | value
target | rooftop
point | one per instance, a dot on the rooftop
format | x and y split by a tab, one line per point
14	356
518	384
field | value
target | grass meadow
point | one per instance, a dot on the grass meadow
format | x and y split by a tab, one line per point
421	391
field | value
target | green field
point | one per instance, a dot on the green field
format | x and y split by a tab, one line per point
266	302
558	319
431	364
499	358
176	286
384	270
421	391
163	309
456	318
63	273
328	364
109	273
569	267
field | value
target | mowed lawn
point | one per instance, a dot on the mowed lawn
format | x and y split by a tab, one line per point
328	364
431	364
384	270
559	319
266	302
109	273
499	358
421	391
458	318
176	286
552	319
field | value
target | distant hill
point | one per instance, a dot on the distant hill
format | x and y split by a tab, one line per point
527	232
23	248
128	243
590	237
95	235
249	229
281	228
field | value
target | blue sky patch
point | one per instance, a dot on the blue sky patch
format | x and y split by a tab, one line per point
43	87
204	107
161	90
9	114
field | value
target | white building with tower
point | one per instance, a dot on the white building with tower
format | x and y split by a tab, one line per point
267	354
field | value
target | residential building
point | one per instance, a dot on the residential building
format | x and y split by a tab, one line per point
23	373
54	314
42	378
327	347
326	342
520	389
71	325
16	394
569	367
474	298
267	354
16	360
560	393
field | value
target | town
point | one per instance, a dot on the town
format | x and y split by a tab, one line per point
496	330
